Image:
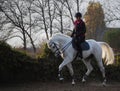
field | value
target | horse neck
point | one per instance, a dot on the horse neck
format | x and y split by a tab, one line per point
62	41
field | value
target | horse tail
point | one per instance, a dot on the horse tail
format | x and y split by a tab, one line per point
107	53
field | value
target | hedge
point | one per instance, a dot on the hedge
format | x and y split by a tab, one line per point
17	66
112	71
112	36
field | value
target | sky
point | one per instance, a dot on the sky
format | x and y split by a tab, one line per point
40	37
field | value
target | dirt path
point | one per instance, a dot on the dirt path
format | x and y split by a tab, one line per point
56	86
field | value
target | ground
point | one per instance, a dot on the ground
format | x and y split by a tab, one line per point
56	86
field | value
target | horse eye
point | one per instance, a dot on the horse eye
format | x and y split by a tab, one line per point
53	46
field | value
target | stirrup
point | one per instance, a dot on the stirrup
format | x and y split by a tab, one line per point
79	55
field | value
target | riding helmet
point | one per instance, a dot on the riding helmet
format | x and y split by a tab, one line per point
78	14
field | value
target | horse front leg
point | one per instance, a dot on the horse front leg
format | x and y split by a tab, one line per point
70	68
64	63
89	70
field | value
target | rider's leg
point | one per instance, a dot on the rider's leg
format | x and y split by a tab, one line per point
80	40
80	51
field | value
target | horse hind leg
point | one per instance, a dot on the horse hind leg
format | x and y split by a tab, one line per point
89	69
102	69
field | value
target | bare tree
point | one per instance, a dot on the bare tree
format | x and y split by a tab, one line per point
59	12
112	11
40	7
5	32
70	11
16	12
47	15
5	28
67	4
51	13
78	4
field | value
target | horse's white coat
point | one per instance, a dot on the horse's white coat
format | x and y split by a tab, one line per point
100	50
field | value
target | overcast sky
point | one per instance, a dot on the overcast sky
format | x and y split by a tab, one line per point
16	42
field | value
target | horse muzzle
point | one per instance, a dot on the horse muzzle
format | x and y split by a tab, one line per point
57	54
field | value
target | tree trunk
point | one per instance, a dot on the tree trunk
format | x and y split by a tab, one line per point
24	41
50	17
44	23
32	42
70	11
77	5
61	22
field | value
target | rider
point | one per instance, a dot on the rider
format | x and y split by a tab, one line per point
79	31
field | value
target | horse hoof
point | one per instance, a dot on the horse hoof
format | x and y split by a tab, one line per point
83	80
104	84
61	79
73	83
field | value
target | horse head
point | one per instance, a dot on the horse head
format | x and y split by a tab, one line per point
57	43
54	46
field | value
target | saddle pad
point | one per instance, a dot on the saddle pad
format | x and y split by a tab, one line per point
84	45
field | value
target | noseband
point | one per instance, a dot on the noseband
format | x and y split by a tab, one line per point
57	51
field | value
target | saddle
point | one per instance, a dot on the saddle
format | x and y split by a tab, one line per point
84	45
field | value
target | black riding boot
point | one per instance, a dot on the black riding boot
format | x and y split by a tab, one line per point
80	52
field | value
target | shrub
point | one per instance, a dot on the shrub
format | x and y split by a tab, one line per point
14	64
112	37
17	66
51	68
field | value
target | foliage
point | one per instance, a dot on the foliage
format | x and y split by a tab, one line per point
94	19
112	71
112	36
117	59
17	66
14	65
46	52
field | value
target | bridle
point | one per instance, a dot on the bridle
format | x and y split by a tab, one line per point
59	51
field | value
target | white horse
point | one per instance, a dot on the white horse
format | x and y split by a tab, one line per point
61	44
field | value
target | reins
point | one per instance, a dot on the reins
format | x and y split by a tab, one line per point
66	46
